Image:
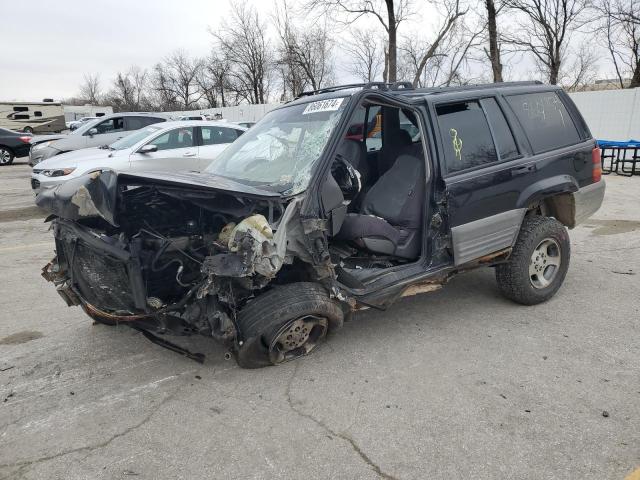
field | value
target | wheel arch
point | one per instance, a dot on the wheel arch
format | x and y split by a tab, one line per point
552	197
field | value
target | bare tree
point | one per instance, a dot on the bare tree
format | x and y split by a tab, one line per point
581	71
366	56
452	12
621	29
545	29
213	80
389	13
243	40
90	89
176	77
123	93
304	51
447	61
139	78
494	44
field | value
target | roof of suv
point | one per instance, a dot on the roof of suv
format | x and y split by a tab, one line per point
406	89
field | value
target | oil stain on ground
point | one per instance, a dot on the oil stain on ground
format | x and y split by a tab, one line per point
613	227
24	213
21	337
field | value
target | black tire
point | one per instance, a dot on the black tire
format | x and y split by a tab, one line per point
264	321
6	156
530	276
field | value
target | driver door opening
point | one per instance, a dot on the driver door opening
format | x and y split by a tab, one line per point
378	193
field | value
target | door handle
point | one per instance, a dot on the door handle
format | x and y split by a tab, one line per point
523	170
189	154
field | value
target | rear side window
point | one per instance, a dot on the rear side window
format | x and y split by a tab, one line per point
465	135
136	123
217	135
545	120
502	135
37	114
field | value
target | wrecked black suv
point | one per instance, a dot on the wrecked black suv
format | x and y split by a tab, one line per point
345	198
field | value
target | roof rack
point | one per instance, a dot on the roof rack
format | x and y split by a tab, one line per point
478	86
365	86
401	86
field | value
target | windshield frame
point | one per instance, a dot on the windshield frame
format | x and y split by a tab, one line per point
302	181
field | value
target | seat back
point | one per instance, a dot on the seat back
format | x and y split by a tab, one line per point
398	194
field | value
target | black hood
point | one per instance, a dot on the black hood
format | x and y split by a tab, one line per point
95	195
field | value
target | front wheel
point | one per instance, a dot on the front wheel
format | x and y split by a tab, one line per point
285	323
538	263
6	156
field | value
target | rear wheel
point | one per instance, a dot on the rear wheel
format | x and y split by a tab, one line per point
285	323
6	156
538	264
27	130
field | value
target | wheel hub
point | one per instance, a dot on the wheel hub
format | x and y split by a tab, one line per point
297	338
544	263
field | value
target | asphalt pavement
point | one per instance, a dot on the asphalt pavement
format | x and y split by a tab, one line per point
456	384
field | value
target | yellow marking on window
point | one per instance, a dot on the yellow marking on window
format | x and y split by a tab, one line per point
456	142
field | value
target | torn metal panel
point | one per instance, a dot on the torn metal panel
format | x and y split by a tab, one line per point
92	195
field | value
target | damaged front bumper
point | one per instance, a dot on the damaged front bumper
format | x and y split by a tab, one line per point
164	259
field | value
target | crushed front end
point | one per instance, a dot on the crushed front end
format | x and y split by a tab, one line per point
175	255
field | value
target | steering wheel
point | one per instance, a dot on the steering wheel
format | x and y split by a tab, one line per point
347	177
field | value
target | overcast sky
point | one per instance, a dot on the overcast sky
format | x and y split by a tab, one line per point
47	48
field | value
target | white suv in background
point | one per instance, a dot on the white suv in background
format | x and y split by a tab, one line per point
102	131
169	146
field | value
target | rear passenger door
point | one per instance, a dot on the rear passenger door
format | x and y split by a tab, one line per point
502	155
214	139
484	171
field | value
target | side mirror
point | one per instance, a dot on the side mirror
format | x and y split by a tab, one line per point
92	132
148	148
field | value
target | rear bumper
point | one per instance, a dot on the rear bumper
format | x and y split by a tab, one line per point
588	200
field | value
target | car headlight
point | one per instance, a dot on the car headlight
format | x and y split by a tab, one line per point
42	145
58	172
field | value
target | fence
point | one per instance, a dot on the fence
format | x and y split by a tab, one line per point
610	114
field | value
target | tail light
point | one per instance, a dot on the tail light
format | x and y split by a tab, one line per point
596	174
25	139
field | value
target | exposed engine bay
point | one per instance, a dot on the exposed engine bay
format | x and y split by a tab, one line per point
171	260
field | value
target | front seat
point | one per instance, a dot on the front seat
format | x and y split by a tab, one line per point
390	219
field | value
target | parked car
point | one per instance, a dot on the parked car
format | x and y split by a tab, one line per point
102	131
12	145
168	146
298	223
76	123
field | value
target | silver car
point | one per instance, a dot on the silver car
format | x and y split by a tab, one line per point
102	131
170	146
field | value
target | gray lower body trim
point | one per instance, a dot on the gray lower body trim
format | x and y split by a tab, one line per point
487	235
588	200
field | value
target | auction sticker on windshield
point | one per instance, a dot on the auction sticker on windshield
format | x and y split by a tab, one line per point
323	106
